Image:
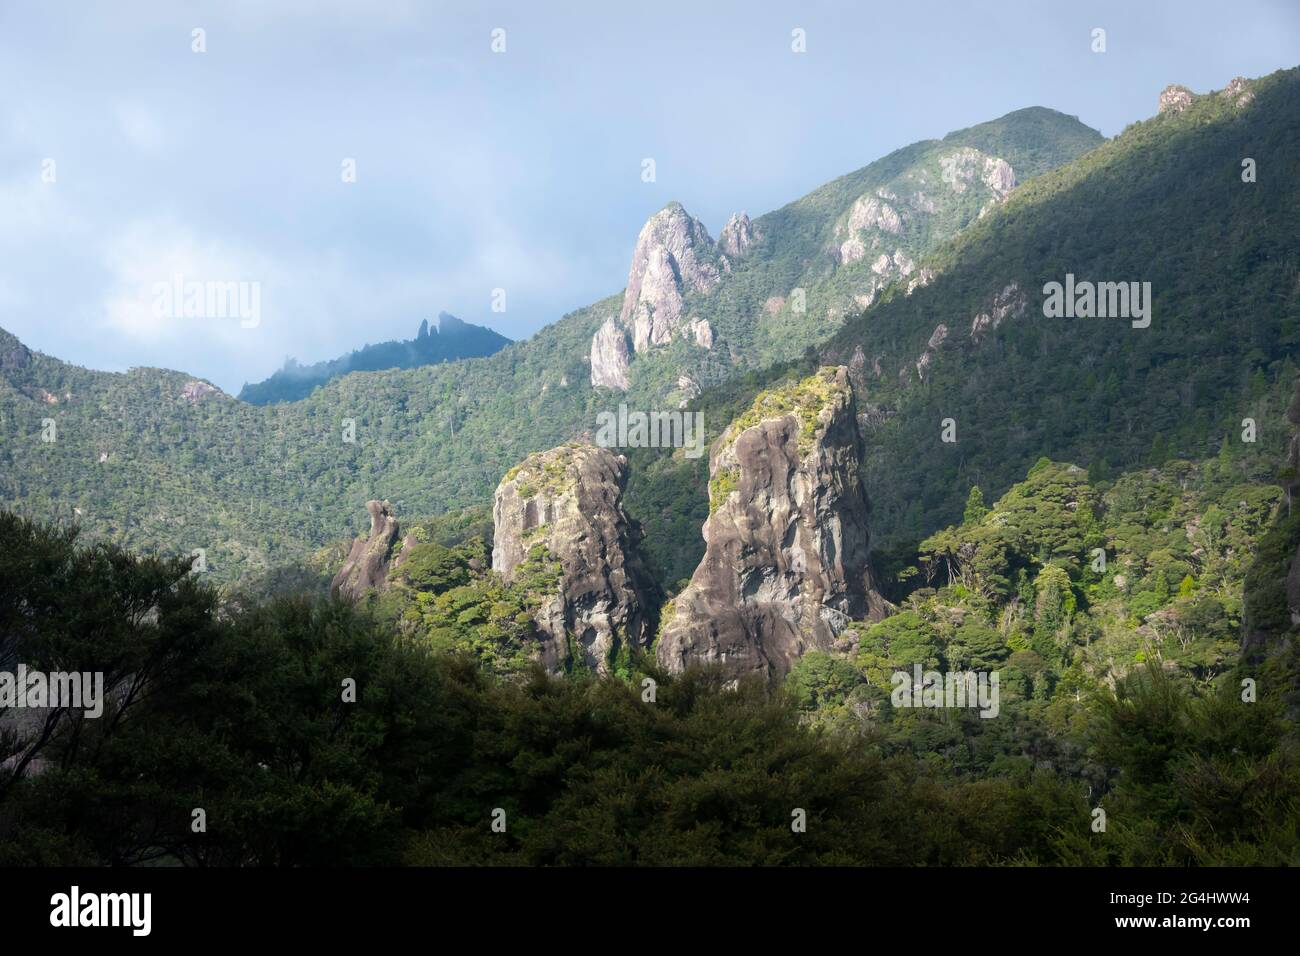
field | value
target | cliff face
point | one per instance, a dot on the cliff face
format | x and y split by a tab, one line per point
674	256
368	561
737	235
609	356
786	566
570	500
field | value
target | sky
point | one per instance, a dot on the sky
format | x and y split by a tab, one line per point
129	159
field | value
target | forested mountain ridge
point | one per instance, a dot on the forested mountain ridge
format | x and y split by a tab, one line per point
695	310
972	358
451	339
1174	202
158	460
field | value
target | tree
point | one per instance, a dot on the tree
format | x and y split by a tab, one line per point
975	510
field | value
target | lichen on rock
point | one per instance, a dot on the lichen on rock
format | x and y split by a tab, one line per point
569	501
786	565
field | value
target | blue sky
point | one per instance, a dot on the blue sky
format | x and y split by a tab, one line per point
476	170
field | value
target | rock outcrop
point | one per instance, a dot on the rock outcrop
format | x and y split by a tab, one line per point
1239	91
1009	302
196	391
674	257
367	565
1175	98
702	333
609	356
737	236
786	567
569	501
999	176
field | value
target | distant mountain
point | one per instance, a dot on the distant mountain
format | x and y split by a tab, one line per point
155	459
451	340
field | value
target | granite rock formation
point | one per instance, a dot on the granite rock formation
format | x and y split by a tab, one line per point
786	567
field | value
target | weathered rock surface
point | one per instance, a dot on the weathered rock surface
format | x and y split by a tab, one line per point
674	256
1009	302
569	500
367	565
609	356
1175	98
999	176
196	391
1239	90
737	236
958	168
786	566
873	212
703	333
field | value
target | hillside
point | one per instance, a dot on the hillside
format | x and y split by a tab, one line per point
1163	203
451	339
159	460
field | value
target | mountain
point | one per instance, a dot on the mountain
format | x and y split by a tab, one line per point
451	340
695	309
972	357
1126	606
159	460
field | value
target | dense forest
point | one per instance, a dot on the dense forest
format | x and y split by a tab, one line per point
306	731
1099	512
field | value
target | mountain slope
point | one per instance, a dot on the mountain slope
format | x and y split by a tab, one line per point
159	460
452	339
769	288
1163	203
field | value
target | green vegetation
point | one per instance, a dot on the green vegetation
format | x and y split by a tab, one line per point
806	399
1111	611
245	716
549	472
1221	258
451	340
258	487
722	485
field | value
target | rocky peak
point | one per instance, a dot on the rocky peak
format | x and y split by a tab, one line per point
367	565
674	255
737	235
1240	91
448	324
786	566
1175	98
569	502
